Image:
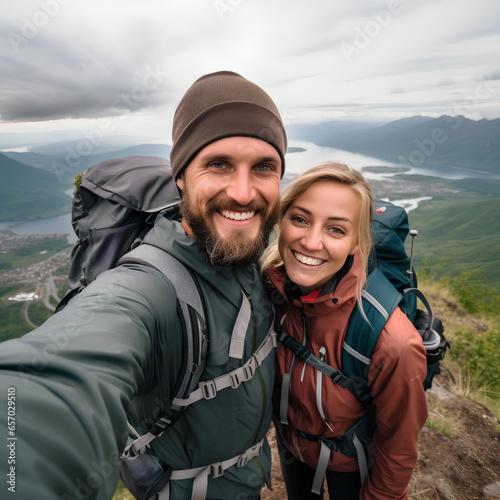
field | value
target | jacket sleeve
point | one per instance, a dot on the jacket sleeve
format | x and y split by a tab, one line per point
73	379
396	376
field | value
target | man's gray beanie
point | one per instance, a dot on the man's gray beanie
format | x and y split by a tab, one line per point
219	105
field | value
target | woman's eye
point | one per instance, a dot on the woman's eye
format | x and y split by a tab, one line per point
298	219
337	230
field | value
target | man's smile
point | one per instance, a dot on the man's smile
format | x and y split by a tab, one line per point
237	215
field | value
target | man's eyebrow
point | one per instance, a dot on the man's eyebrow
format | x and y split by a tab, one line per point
308	212
215	157
269	159
226	157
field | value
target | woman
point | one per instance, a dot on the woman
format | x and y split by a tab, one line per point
317	268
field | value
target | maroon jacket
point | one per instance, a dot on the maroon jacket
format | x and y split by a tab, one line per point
395	380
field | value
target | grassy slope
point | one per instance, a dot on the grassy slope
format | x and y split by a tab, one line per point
454	234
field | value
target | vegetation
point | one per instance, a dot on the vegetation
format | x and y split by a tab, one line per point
456	234
470	310
38	313
441	424
13	319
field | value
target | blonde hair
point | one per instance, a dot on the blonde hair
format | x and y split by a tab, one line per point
334	172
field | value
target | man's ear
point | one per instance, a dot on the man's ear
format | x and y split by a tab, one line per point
180	182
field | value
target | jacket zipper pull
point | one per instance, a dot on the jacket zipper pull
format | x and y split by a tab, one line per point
319	379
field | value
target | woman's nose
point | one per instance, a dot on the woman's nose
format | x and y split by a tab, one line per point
312	240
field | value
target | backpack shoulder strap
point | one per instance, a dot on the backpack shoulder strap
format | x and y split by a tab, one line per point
173	269
192	314
379	298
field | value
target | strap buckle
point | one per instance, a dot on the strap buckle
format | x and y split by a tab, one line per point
249	454
208	389
338	378
244	373
216	470
236	380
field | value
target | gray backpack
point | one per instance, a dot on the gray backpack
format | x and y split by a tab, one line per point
114	205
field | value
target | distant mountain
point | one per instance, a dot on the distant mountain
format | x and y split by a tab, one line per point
32	183
28	192
323	133
74	157
69	158
31	159
449	141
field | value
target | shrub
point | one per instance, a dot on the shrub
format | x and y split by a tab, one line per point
478	354
473	293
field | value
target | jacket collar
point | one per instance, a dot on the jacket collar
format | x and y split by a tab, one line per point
336	291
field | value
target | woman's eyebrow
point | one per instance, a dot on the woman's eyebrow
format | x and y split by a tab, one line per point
308	212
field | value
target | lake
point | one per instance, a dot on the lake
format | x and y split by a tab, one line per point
315	155
295	163
61	224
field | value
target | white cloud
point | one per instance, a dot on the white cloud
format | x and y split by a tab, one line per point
132	61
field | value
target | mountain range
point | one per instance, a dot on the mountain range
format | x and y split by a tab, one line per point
36	183
33	183
29	193
445	141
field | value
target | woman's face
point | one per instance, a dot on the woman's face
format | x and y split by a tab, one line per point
319	230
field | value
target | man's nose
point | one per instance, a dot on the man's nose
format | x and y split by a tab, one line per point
241	187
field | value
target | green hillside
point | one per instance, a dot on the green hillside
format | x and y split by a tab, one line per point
30	193
458	233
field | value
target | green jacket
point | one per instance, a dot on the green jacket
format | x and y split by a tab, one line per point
111	354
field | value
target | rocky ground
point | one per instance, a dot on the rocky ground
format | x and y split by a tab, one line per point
463	464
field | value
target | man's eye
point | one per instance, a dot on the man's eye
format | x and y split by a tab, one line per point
264	167
218	164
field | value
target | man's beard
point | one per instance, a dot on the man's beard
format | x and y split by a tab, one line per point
237	249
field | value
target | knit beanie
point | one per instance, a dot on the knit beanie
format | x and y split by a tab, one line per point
219	105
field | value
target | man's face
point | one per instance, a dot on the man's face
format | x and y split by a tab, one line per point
230	198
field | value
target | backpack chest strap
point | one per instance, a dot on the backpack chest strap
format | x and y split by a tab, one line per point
215	470
308	357
208	389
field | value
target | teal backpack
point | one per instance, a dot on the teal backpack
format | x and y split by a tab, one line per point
391	283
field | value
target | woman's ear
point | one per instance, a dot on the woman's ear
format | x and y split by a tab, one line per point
354	250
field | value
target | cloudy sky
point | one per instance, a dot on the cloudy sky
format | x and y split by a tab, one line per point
121	66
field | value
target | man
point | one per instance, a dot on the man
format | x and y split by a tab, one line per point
116	350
